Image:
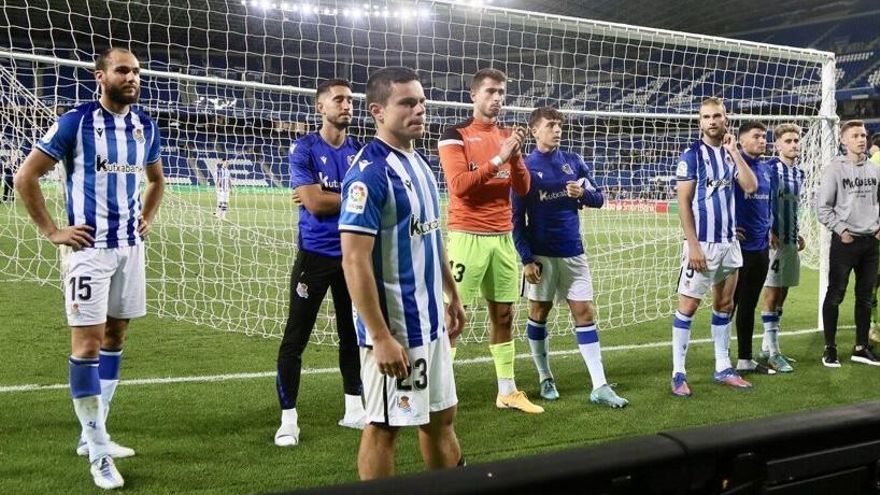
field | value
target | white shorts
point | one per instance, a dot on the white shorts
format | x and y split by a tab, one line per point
223	197
104	282
562	278
430	387
722	260
785	267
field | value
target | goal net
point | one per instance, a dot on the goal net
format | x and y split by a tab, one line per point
234	80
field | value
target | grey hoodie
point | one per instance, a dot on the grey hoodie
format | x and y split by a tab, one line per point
848	198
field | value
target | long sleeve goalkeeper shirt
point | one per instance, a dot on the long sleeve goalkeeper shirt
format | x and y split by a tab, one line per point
479	192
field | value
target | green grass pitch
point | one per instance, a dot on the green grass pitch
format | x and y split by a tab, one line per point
211	431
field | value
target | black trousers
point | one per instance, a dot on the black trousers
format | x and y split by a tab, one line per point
310	278
861	255
745	300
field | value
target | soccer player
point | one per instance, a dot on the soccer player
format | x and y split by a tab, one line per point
785	240
105	146
223	186
482	163
711	253
752	231
848	206
546	231
396	270
318	163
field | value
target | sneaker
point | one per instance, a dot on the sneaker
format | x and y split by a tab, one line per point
606	395
548	389
765	355
287	435
865	356
680	385
755	368
829	357
779	363
114	450
105	474
355	423
731	378
517	400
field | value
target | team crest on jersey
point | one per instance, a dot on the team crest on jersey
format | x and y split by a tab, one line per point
302	290
139	135
357	198
567	169
404	405
351	160
502	174
472	166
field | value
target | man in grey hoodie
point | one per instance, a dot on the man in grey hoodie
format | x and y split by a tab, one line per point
849	206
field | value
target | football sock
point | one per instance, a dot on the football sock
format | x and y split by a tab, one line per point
588	343
770	341
503	355
681	335
109	361
539	342
85	389
721	336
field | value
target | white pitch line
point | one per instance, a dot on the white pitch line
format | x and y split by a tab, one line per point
320	371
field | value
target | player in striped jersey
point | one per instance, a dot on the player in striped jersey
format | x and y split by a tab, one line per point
397	273
787	180
223	187
711	253
547	234
104	147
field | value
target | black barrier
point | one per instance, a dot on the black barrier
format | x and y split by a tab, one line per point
833	451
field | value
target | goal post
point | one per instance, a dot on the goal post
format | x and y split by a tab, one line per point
236	82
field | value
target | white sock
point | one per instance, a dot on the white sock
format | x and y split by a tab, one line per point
746	364
588	343
90	412
506	386
681	335
721	336
770	342
289	416
354	406
539	342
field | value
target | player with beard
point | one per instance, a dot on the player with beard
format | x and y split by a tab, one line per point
318	163
105	147
711	253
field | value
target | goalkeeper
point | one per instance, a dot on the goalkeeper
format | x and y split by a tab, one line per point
546	231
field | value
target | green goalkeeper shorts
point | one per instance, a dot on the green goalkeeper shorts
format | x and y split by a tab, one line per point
484	263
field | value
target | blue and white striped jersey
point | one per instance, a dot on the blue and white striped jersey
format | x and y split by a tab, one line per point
392	195
224	180
786	184
104	155
713	171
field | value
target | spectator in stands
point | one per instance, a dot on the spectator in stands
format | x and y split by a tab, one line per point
874	152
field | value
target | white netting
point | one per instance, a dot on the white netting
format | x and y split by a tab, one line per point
229	80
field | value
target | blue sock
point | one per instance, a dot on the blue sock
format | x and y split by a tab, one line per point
85	388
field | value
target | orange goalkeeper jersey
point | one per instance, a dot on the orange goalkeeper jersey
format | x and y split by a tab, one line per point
479	193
